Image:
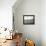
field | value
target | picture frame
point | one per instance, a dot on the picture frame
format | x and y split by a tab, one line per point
28	19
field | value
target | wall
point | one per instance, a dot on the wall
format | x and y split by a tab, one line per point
43	22
6	13
28	7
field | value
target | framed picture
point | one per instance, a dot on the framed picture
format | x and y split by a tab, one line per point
28	19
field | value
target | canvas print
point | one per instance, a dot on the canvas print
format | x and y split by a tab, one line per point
29	19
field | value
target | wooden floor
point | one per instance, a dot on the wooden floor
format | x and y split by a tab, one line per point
9	43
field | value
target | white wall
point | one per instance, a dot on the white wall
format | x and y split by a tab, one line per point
28	7
43	22
6	13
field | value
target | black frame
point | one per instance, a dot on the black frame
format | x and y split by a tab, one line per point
28	16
